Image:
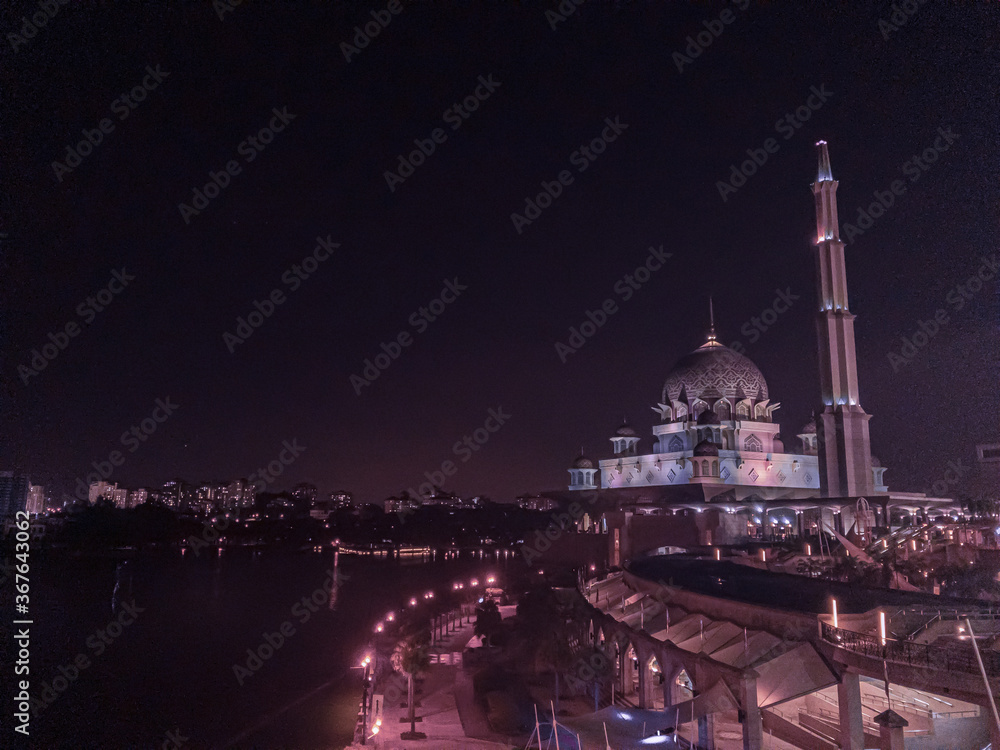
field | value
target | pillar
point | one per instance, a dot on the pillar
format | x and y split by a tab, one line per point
643	677
987	711
890	730
852	728
753	725
706	732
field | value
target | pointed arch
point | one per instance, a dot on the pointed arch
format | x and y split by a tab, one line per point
675	444
653	677
723	409
752	443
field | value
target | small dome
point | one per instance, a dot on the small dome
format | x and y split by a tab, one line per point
582	462
876	463
777	445
625	431
809	428
708	417
706	448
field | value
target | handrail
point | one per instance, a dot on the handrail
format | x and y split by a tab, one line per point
946	658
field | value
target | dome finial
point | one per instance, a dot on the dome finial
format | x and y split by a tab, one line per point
711	319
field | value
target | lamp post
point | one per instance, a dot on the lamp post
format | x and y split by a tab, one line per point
364	698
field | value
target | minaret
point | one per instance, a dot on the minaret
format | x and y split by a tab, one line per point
844	445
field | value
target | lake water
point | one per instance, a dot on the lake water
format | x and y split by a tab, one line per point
171	670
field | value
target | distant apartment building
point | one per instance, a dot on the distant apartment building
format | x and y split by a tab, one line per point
534	502
402	504
305	492
341	500
138	497
13	493
101	489
119	496
36	500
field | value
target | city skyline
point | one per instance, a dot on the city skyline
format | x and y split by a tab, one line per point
407	278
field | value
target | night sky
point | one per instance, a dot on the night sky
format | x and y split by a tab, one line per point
550	92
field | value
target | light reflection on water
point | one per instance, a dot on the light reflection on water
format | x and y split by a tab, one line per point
199	614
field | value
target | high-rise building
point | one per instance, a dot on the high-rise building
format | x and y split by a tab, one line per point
341	500
305	492
101	489
13	493
36	500
119	496
137	497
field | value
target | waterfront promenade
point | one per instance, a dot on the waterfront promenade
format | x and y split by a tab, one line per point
448	712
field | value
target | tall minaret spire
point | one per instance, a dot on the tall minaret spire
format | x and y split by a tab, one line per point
844	443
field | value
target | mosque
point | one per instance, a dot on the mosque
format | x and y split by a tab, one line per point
717	458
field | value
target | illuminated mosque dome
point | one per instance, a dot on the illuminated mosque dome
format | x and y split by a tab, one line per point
714	371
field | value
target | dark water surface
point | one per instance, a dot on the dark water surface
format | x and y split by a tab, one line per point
171	671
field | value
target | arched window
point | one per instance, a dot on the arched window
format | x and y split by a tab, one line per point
752	443
742	411
715	468
694	468
675	444
722	409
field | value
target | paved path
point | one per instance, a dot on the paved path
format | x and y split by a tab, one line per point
441	719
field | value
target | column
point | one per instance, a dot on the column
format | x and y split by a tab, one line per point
643	676
706	732
852	728
753	725
890	730
987	711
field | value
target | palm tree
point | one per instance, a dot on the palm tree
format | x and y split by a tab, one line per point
412	659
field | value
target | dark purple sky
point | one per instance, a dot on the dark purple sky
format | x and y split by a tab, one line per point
323	175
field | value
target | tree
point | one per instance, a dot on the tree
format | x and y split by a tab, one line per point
412	659
488	621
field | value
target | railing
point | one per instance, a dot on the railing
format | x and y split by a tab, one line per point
946	658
